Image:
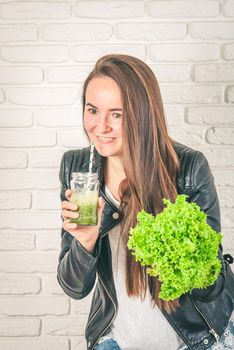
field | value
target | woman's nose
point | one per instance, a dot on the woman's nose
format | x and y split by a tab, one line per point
103	123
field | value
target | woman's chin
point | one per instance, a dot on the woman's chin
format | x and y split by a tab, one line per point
107	153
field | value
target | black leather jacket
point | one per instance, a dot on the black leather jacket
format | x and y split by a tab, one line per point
203	314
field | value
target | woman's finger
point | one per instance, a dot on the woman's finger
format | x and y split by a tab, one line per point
68	205
68	194
67	225
66	214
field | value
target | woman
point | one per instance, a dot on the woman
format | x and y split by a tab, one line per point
138	166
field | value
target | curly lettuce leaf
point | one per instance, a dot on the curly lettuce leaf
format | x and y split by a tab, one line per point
177	246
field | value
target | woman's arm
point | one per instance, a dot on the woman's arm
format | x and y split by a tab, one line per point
76	271
203	192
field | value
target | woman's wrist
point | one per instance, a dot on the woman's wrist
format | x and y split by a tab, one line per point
88	245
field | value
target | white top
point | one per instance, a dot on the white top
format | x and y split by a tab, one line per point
138	325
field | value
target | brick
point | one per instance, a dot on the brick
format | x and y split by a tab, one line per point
68	74
18	32
40	343
171	73
50	285
12	284
46	199
37	9
227	219
34	305
228	8
226	197
17	240
87	53
150	31
27	138
112	9
49	240
28	262
77	32
35	53
21	75
212	30
15	200
183	52
43	96
228	52
191	94
223	177
174	115
188	136
73	138
214	72
81	307
229	94
19	327
78	343
65	325
2	96
210	115
30	220
228	240
219	157
13	159
45	159
183	9
30	179
15	118
59	117
220	136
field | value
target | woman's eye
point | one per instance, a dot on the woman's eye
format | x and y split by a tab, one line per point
92	111
117	115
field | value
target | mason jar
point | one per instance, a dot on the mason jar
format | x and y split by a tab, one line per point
85	189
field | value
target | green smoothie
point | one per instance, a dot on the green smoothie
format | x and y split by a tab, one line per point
87	207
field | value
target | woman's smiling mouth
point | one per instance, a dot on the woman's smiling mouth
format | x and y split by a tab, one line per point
105	139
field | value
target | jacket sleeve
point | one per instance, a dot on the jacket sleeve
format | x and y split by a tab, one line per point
203	192
76	272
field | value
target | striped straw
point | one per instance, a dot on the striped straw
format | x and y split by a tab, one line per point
91	158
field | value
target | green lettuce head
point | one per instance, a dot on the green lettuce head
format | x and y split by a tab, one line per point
177	246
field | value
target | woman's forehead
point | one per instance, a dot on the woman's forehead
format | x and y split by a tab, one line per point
103	88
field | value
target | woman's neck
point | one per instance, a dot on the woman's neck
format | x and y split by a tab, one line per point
115	165
114	174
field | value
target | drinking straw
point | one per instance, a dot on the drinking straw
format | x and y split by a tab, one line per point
91	158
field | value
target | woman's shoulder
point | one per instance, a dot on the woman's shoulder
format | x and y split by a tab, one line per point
185	152
194	167
76	154
73	161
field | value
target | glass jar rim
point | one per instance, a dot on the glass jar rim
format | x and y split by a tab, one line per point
85	174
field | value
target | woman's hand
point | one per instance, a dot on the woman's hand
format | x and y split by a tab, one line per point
86	235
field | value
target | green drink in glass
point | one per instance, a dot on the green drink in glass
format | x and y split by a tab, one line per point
85	187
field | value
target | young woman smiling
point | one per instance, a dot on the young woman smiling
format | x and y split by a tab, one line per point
138	165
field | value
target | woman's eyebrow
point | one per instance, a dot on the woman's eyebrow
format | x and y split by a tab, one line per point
111	109
90	104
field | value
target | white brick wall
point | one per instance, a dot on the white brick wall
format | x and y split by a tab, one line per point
46	50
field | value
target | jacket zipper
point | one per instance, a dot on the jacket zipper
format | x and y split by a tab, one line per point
115	311
211	329
99	307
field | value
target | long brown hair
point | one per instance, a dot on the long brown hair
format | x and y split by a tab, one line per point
150	161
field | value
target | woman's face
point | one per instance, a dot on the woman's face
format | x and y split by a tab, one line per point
103	116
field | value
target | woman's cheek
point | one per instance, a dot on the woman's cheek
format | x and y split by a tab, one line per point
88	125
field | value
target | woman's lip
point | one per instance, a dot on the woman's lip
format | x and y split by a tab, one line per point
104	139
